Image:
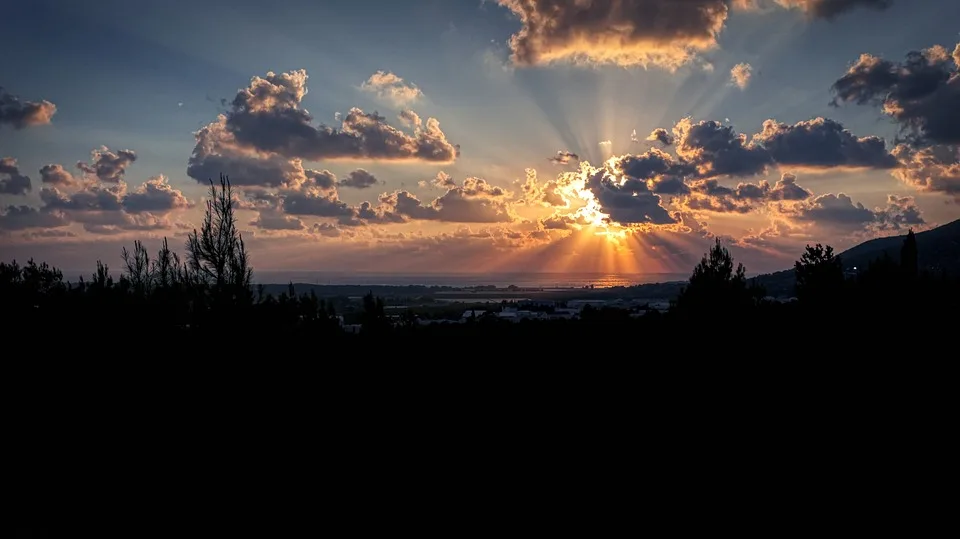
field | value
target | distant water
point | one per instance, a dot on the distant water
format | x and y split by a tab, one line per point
500	280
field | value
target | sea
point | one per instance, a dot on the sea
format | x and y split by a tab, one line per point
463	280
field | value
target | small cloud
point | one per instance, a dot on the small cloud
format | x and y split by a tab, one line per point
337	116
740	75
606	143
634	137
392	89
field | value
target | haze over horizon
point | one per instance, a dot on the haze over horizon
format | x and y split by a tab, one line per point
452	136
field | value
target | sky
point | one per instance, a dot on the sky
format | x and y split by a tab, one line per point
416	136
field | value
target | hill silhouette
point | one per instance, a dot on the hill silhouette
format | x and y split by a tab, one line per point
939	252
938	249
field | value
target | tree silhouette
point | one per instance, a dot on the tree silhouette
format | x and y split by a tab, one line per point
908	256
373	319
715	283
215	254
819	274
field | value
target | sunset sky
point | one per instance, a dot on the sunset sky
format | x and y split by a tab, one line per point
479	136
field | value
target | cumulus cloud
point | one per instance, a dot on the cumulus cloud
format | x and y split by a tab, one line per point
267	117
709	195
933	169
840	214
107	166
101	203
21	114
536	193
564	157
27	217
359	179
392	89
922	92
740	75
274	220
473	201
109	208
57	175
715	149
662	33
12	182
661	135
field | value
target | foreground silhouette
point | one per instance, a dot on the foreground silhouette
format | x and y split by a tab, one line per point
205	302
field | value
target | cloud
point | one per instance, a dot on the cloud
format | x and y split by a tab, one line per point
101	203
57	175
267	117
663	33
109	208
359	179
12	182
606	143
661	135
474	201
839	214
622	200
740	75
934	169
26	217
155	195
22	114
274	220
709	195
564	157
392	89
107	166
922	93
829	9
714	149
544	194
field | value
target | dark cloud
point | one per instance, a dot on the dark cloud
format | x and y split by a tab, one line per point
661	135
628	202
564	157
11	181
715	149
26	217
359	179
107	166
666	33
829	9
267	116
21	114
922	93
326	229
840	214
217	151
709	195
822	143
57	175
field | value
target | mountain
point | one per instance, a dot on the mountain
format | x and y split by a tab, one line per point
938	249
